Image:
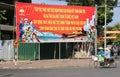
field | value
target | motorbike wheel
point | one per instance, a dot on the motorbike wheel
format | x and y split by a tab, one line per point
114	64
93	64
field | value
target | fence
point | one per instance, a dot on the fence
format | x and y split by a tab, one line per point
39	51
28	51
36	51
6	50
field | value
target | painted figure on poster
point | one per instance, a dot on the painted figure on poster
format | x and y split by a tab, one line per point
21	28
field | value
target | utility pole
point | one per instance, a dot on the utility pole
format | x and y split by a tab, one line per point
105	25
0	34
95	45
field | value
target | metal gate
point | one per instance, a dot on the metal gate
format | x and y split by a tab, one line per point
28	51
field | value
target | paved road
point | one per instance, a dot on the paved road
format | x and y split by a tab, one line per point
62	72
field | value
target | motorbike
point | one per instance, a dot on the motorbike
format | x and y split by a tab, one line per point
95	63
108	63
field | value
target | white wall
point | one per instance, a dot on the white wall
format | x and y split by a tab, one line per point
6	49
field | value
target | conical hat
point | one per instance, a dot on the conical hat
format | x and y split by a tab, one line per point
100	48
107	48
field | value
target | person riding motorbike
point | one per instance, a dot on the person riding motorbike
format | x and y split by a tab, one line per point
107	56
101	56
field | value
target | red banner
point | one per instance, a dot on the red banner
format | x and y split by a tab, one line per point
58	19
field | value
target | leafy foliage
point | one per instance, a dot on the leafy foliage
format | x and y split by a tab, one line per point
114	28
81	2
2	13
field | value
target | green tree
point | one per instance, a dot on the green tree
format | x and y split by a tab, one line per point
2	13
114	28
81	2
101	14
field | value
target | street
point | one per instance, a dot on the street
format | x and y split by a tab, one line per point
62	72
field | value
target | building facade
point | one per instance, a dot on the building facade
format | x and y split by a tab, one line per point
7	27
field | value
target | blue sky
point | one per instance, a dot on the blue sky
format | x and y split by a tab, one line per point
55	2
116	16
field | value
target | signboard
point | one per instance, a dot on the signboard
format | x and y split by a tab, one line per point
112	32
108	37
101	39
54	23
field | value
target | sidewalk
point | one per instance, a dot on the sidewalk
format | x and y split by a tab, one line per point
40	64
